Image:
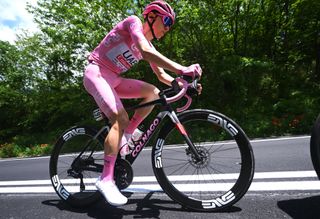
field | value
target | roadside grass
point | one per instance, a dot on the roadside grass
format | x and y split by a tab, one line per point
8	150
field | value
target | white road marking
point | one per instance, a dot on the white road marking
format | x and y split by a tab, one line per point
137	179
307	181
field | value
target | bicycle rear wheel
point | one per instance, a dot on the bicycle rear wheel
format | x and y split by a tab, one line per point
220	178
315	146
73	176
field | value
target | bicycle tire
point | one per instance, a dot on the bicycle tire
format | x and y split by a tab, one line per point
315	146
65	178
212	184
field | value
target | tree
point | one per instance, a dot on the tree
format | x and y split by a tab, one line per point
261	61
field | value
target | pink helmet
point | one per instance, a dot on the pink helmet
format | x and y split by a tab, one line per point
161	7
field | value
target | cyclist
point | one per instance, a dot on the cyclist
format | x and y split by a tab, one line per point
127	43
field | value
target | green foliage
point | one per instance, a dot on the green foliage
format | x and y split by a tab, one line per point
14	150
261	64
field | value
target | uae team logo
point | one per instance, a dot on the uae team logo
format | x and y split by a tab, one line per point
122	56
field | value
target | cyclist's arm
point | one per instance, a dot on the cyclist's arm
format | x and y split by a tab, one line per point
151	55
162	75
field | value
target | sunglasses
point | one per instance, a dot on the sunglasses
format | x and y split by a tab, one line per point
167	21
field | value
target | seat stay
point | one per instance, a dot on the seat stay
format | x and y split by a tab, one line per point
103	129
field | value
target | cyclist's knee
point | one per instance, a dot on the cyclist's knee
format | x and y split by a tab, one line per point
155	92
151	92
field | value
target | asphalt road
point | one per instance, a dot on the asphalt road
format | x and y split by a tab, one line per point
284	186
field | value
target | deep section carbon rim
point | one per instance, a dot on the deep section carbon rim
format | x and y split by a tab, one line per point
222	175
73	179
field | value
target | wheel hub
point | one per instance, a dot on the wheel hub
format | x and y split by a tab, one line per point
204	155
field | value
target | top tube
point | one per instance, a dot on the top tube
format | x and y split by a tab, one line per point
177	92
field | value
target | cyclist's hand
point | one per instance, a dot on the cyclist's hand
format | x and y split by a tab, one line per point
192	71
192	91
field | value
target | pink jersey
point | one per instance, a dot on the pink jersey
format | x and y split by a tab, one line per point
118	51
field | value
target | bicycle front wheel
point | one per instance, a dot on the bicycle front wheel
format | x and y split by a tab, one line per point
222	175
73	174
315	146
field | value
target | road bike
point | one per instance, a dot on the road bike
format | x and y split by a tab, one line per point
201	158
315	146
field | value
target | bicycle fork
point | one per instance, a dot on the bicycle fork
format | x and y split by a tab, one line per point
191	147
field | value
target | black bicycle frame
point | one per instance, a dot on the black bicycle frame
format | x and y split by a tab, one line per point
147	135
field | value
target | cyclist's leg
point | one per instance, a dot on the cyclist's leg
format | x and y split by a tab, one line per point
131	88
99	83
106	184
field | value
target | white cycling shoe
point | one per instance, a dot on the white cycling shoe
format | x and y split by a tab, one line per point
111	192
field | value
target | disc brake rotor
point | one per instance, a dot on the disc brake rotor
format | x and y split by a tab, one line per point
205	158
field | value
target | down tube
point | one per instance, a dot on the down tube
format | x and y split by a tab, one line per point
147	135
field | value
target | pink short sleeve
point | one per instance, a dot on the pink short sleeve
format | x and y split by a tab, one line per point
135	29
